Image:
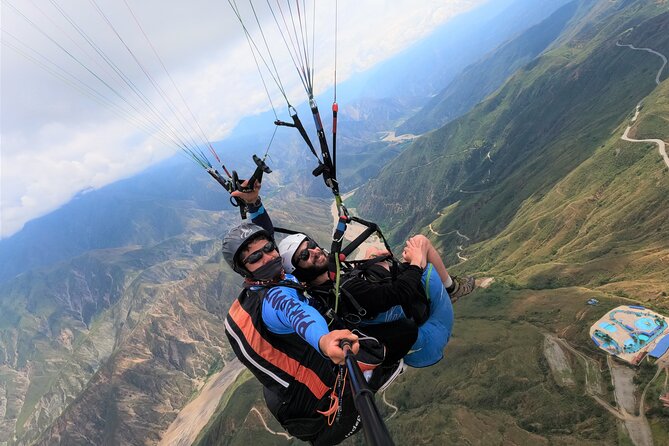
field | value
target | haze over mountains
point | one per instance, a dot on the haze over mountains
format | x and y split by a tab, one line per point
111	307
375	101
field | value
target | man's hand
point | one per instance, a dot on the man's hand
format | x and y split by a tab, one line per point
248	197
329	345
373	251
415	251
422	242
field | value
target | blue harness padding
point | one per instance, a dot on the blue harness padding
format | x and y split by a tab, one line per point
434	334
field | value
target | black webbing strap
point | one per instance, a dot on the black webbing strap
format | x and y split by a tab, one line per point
327	168
371	229
359	240
335	249
297	124
286	231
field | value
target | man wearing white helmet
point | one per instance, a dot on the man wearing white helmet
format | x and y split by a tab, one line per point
414	294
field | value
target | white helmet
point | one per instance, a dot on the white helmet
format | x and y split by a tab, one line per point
287	249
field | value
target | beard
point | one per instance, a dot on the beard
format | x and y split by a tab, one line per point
311	272
320	261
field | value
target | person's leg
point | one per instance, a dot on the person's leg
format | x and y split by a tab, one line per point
434	334
456	286
434	258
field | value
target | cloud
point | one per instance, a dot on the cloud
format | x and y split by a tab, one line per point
58	140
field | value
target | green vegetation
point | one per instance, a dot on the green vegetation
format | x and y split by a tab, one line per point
561	211
235	424
215	367
553	203
656	388
589	97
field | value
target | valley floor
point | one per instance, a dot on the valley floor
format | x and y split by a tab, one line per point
193	417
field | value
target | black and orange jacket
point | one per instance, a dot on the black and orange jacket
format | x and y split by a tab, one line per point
284	363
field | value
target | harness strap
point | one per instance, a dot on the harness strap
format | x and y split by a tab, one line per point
359	240
274	283
286	231
359	308
327	169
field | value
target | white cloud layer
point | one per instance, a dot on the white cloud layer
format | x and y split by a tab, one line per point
57	141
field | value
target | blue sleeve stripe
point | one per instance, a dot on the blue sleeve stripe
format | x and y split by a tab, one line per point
260	211
284	312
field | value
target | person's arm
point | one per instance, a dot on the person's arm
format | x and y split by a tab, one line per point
284	312
256	210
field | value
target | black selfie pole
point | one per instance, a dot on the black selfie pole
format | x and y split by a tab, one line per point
376	432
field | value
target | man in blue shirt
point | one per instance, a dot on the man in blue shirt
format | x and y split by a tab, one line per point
286	344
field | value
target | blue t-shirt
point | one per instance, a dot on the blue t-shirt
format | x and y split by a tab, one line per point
285	310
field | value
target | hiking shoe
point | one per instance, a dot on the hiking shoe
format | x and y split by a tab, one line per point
461	287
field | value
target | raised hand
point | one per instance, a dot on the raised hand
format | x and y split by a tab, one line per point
248	197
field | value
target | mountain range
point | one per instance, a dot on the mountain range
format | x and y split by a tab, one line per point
512	162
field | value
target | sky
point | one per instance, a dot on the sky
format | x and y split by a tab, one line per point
91	90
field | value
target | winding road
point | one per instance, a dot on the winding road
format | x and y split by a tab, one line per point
664	59
262	419
460	247
662	147
392	406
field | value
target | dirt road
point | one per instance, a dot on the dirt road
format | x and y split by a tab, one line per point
557	361
193	417
637	425
262	419
648	50
662	147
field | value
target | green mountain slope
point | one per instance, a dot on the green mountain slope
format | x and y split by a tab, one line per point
482	78
542	124
602	225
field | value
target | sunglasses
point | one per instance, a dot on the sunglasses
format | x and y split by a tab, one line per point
304	254
257	255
